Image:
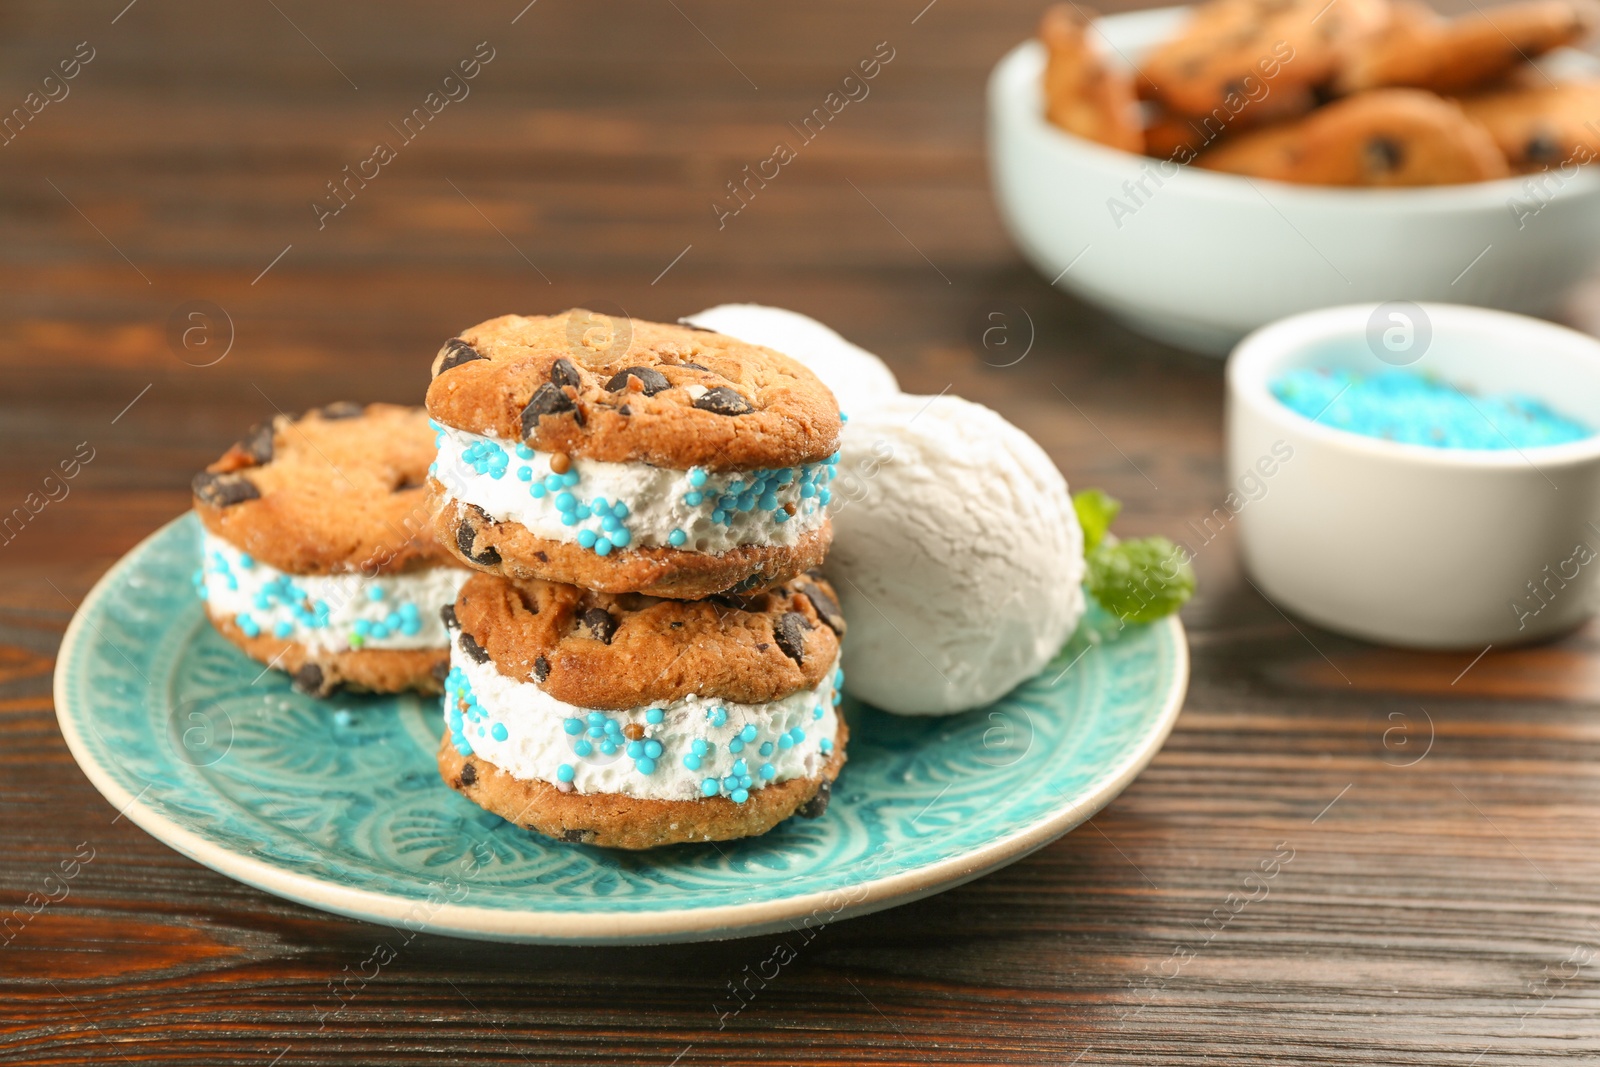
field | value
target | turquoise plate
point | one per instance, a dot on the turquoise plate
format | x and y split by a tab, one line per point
339	805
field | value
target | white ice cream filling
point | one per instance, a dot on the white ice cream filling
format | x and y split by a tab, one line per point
683	749
326	612
604	506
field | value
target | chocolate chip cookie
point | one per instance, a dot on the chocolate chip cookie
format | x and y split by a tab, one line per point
1273	53
1083	92
1458	55
1547	126
1387	137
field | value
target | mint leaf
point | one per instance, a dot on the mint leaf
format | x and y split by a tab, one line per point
1140	581
1096	512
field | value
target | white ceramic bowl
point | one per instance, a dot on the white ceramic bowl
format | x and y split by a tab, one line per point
1204	258
1407	544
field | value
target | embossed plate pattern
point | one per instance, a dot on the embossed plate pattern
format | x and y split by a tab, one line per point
339	805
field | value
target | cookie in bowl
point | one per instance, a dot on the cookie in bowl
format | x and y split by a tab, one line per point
317	556
629	456
629	721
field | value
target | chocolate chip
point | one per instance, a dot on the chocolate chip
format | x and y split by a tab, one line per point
790	633
1384	154
563	372
310	680
1543	148
466	535
677	625
541	669
469	773
694	366
578	837
652	380
440	671
600	623
625	410
470	646
454	353
541	557
447	615
224	490
342	409
548	399
813	808
258	444
823	602
762	646
724	401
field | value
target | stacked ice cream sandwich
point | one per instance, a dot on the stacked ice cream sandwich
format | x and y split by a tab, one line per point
317	556
647	656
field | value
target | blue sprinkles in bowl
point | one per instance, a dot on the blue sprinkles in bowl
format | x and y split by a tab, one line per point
1418	409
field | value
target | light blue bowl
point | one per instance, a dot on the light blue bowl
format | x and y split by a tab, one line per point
338	804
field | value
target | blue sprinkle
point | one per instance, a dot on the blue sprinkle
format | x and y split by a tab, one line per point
718	716
498	731
700	747
678	537
748	733
620	538
524	452
565	772
600	506
635	749
538	491
692	762
739	768
736	746
654	715
697	477
566	502
826	745
620	510
596	718
574	727
709	787
768	771
652	748
524	474
739	796
570	478
586	538
645	766
283	629
693	499
766	748
602	547
583	749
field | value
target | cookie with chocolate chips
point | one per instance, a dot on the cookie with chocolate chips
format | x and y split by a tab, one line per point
629	456
317	555
603	650
1421	50
557	383
1085	93
1543	126
630	721
1387	137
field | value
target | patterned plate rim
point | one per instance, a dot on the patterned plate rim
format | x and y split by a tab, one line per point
607	927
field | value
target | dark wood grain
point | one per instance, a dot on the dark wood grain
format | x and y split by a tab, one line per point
1441	875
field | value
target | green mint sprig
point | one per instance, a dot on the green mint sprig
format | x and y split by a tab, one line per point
1138	581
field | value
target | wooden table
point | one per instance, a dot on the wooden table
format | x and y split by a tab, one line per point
1441	814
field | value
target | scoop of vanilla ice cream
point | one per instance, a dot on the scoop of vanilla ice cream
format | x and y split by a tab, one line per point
856	376
956	553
